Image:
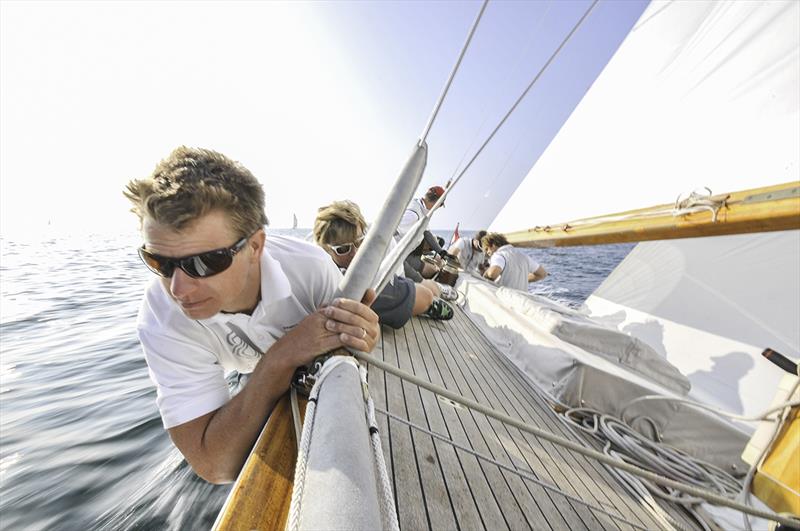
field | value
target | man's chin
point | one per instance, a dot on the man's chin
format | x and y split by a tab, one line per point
199	312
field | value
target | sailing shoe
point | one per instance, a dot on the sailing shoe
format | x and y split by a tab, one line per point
449	293
439	310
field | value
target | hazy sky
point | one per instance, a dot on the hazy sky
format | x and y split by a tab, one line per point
322	101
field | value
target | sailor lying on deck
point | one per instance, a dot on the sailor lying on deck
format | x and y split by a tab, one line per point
339	229
229	299
508	266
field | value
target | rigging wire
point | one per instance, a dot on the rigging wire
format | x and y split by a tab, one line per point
515	105
409	241
485	109
439	102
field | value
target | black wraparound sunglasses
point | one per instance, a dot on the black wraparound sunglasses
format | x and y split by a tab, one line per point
201	265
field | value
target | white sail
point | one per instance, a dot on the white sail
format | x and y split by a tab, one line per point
701	93
294	221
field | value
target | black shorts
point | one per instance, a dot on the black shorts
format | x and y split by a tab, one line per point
396	302
412	267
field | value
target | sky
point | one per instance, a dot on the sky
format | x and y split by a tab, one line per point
320	100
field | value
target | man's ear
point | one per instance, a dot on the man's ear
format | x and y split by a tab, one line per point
256	242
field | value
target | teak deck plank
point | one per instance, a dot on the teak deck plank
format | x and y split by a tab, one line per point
440	487
556	516
440	513
411	510
471	494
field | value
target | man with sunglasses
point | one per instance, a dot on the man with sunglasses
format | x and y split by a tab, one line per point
227	299
339	229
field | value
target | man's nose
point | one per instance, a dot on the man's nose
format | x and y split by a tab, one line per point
180	283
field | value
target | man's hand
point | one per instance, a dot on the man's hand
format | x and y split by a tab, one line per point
355	322
217	443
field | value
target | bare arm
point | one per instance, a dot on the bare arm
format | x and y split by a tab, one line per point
455	250
492	272
537	275
216	445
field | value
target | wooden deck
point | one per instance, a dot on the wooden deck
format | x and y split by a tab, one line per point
440	487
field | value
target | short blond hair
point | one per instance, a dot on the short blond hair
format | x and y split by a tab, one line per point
192	182
339	221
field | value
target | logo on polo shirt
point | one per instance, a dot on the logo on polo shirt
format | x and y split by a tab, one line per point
240	343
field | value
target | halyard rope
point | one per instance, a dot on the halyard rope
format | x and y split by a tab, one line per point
388	512
576	447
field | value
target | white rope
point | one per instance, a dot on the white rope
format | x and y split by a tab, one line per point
624	443
293	521
697	202
388	511
763	416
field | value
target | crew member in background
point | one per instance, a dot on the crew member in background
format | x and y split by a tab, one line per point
416	210
228	299
469	252
509	266
340	229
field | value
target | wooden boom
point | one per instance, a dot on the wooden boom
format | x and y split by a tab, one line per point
261	495
766	209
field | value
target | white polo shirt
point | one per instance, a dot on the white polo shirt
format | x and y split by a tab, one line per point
515	266
188	359
468	257
415	211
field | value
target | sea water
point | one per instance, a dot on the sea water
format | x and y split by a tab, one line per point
81	441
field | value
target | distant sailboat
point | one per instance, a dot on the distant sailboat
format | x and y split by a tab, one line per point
294	221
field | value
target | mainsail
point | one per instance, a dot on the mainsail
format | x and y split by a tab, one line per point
700	94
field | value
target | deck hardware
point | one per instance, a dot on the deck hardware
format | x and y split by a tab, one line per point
450	402
772	196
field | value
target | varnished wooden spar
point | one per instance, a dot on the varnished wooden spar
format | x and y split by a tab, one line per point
262	493
766	209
